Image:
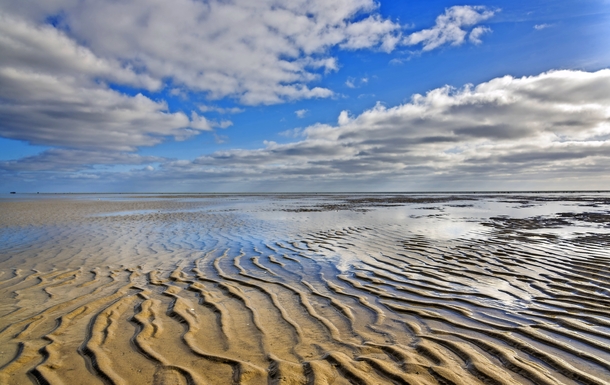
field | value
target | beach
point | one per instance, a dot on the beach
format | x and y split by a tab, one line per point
305	289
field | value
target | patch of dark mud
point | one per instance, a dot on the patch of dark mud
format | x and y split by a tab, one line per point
592	240
363	204
591	217
324	207
531	223
592	201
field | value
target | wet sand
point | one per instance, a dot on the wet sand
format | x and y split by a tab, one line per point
286	289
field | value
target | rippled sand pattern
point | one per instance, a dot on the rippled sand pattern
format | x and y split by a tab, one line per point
178	294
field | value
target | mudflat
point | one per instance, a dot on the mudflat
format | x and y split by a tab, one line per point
305	289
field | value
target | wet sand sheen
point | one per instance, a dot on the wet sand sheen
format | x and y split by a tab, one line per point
202	291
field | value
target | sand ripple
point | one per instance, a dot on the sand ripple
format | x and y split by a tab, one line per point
194	298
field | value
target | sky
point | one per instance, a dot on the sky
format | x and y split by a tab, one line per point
304	95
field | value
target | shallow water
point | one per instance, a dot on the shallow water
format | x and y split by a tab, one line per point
305	289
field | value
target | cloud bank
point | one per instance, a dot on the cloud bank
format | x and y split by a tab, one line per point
62	160
64	68
260	52
62	61
553	128
553	125
52	94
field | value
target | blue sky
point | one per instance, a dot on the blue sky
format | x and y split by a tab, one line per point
353	95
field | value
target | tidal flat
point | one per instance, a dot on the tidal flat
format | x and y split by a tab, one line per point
305	289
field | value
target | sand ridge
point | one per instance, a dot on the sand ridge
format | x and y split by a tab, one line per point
174	293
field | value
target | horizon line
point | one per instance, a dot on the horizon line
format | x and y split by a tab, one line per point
320	192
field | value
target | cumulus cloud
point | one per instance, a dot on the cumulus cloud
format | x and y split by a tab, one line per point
47	110
64	66
556	123
44	49
56	78
52	95
371	32
301	113
450	27
551	127
264	52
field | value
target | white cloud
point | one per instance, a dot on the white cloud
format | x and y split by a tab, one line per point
57	81
449	28
47	110
351	82
371	32
203	124
476	33
224	124
260	52
292	133
179	92
44	49
344	118
301	113
264	52
538	27
52	95
537	127
221	110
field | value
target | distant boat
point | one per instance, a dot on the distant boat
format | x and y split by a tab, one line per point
12	192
